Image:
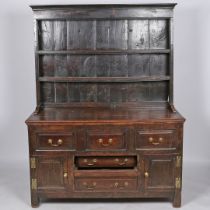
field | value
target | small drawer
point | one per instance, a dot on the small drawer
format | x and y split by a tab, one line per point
152	139
106	184
106	162
64	141
99	140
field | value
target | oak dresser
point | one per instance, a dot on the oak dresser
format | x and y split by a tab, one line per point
105	125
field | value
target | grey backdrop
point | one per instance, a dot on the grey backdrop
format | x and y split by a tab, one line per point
17	99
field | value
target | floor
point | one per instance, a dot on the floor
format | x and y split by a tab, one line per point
14	191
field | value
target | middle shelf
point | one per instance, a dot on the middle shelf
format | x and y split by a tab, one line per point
104	79
102	52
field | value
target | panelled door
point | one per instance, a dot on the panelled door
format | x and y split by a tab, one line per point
159	172
52	173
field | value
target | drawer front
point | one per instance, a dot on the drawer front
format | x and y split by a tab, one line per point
106	184
102	140
106	162
152	139
49	141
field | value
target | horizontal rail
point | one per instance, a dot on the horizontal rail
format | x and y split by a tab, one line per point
102	52
104	79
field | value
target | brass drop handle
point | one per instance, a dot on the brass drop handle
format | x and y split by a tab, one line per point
90	187
121	163
117	185
65	174
155	143
92	163
59	142
101	141
151	140
146	174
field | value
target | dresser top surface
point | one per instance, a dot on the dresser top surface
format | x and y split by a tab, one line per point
105	115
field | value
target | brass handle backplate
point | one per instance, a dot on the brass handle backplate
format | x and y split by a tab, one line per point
101	141
59	142
90	163
123	162
90	187
152	141
118	186
161	139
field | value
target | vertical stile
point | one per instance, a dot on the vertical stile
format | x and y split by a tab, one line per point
149	66
127	34
36	49
95	60
127	25
149	33
171	64
67	60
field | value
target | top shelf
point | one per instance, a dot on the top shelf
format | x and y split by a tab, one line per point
103	52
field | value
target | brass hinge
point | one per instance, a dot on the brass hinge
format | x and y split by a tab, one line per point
33	162
178	161
178	183
33	184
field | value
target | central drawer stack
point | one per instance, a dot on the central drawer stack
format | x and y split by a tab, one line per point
106	155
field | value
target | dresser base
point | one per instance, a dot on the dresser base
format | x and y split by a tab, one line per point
113	159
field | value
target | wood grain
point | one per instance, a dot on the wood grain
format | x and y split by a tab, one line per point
111	34
159	34
46	35
80	35
138	34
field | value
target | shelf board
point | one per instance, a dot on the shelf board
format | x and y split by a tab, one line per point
103	52
104	79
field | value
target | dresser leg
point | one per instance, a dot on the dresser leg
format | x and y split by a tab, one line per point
177	199
35	200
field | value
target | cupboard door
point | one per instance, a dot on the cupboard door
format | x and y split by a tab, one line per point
52	173
159	172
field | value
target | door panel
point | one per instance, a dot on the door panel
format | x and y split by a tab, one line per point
52	173
159	172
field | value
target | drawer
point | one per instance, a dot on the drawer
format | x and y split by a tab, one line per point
151	139
61	141
106	140
106	184
106	162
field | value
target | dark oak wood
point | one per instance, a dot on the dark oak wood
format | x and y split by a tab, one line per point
103	52
106	162
104	79
105	125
